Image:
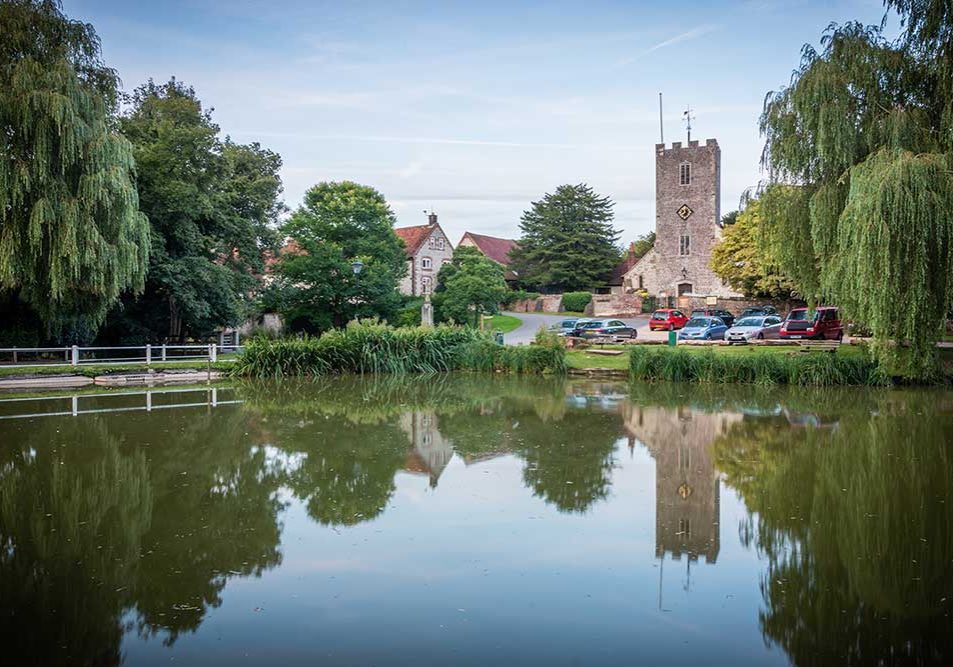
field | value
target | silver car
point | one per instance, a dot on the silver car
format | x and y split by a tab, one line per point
757	327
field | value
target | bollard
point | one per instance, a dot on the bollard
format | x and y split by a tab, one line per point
672	338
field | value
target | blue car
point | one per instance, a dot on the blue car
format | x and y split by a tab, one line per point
704	328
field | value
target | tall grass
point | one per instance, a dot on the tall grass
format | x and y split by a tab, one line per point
654	363
371	347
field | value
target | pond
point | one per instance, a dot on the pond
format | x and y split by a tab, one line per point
473	520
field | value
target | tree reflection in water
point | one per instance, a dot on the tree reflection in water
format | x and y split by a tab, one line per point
854	519
135	523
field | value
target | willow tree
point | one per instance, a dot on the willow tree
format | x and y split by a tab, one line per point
859	152
72	237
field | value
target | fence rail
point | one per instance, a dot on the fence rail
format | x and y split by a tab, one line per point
75	355
71	404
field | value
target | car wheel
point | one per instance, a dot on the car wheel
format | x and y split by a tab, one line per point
760	336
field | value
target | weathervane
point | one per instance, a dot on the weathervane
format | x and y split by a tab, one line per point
687	118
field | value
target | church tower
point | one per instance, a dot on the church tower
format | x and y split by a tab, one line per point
687	216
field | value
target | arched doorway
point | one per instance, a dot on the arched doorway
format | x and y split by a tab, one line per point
684	288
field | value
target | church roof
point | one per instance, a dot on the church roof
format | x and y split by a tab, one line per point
623	267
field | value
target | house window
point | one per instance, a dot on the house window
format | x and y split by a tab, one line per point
431	243
440	245
641	282
684	245
445	262
426	263
685	173
425	284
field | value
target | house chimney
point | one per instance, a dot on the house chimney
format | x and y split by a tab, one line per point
431	218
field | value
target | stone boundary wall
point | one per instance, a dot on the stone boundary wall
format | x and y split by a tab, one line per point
548	303
614	305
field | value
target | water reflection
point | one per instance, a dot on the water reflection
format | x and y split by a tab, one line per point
116	526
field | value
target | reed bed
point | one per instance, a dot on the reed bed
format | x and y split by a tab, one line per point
652	363
371	348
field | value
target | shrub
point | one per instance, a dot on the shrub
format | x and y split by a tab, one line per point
649	304
408	315
371	347
576	302
654	363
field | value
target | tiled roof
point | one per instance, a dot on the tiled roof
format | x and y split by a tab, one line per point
623	267
413	237
290	247
495	248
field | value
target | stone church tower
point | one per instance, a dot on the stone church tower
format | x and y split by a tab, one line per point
687	215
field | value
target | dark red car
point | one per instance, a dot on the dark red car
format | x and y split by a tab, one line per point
820	323
667	319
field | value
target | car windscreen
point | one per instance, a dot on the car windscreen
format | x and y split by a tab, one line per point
750	322
596	324
659	315
800	314
700	322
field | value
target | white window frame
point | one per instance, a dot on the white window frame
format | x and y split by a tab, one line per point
685	170
684	245
426	285
431	243
426	263
440	244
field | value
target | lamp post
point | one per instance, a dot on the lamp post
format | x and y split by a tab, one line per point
357	266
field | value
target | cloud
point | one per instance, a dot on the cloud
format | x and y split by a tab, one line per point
330	100
694	33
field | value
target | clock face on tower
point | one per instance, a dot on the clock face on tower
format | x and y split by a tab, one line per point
684	212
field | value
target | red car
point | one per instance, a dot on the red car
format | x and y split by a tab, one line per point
822	322
667	319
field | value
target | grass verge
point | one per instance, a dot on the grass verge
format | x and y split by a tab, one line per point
504	323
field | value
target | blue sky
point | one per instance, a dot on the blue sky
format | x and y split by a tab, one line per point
475	109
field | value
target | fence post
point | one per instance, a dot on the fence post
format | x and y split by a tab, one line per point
74	361
236	341
221	339
163	352
148	354
14	355
212	353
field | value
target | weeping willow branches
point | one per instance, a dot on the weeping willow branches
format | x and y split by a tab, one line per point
71	234
860	202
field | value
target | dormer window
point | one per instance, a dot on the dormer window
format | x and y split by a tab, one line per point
685	173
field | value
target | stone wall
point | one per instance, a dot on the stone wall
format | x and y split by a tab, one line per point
548	303
614	305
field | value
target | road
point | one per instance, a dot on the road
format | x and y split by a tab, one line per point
533	321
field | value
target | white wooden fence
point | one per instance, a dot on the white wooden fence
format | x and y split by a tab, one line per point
75	355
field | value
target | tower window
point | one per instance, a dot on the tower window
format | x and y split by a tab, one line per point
684	245
685	173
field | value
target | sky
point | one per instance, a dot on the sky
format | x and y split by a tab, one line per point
476	109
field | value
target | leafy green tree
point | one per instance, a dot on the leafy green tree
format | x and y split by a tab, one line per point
643	244
469	286
861	143
213	206
337	224
568	241
742	261
72	237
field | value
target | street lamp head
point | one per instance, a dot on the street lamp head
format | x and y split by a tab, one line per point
357	266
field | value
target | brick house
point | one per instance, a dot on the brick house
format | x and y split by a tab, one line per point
428	248
494	248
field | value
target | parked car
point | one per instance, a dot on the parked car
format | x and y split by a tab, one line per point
822	322
607	329
564	327
756	327
726	317
703	328
759	310
667	319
